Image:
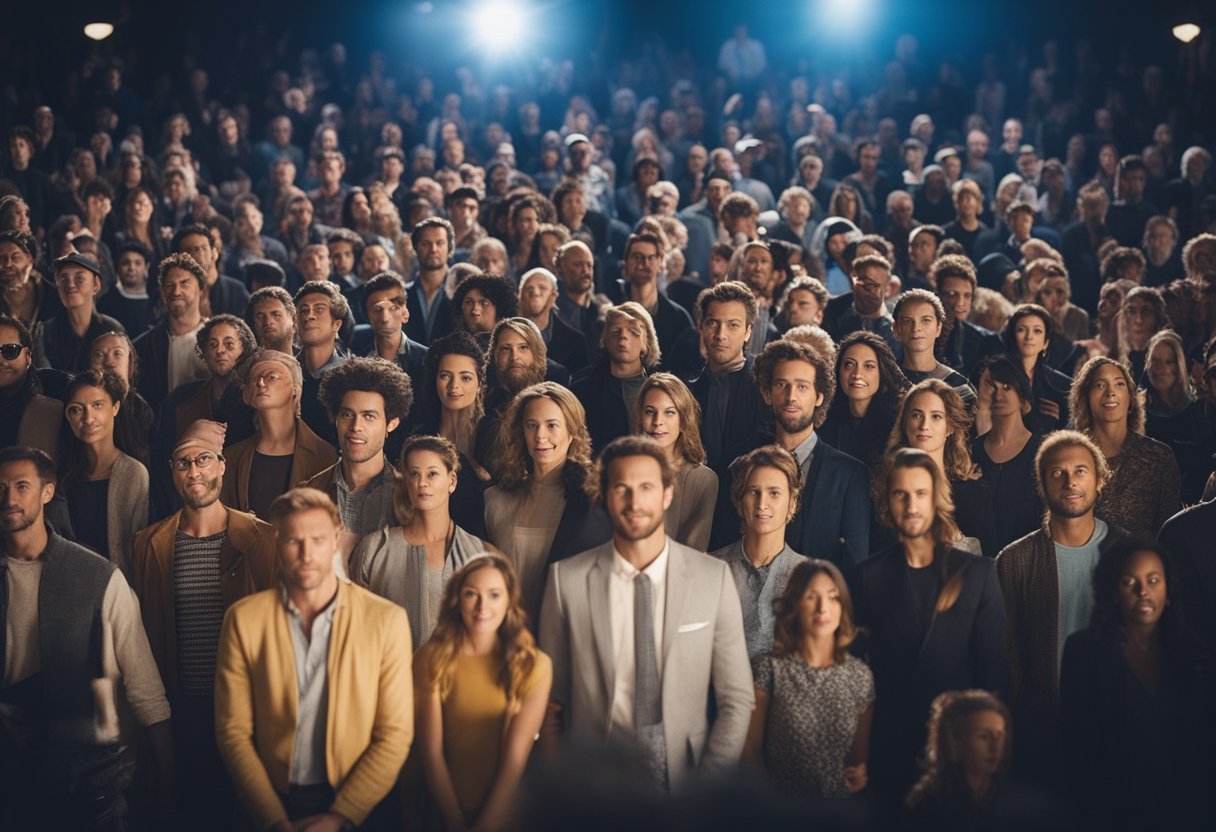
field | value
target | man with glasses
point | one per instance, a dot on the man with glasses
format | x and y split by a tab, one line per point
27	417
187	570
62	342
865	306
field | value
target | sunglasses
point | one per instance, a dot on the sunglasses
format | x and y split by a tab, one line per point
10	352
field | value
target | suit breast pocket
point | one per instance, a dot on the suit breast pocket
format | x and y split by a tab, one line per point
691	627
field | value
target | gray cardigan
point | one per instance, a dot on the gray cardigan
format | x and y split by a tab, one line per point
757	600
127	506
384	563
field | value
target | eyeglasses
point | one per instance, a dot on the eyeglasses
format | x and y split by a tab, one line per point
10	352
202	462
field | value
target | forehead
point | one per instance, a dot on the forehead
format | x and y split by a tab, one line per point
794	369
11	248
269	305
917	309
509	337
926	400
636	467
1068	455
542	407
363	400
107	342
222	331
911	478
313	298
456	362
88	393
726	309
18	470
310	521
9	334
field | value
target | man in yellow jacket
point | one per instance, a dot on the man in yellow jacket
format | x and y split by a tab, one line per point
313	696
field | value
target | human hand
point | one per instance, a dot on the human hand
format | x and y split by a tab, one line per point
1049	409
855	778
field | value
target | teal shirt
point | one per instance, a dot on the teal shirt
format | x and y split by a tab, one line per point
1075	573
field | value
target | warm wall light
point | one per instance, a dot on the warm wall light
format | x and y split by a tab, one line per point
1186	32
98	31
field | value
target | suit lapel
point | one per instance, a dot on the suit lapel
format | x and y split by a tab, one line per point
677	587
601	619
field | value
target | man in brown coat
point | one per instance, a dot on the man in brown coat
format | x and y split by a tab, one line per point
187	570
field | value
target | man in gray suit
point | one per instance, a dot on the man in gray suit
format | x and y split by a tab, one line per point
642	629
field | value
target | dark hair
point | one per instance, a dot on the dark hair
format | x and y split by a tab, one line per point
942	778
248	342
345	235
783	350
619	448
338	307
41	459
787	610
269	293
97	187
725	292
1026	310
891	381
433	222
190	230
73	467
497	290
372	375
23	331
947	266
185	262
1004	370
454	343
265	272
384	282
643	237
766	456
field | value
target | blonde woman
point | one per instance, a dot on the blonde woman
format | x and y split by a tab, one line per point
481	687
666	411
1174	415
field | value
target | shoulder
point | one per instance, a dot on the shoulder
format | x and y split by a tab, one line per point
854	668
700	476
1021	552
839	459
322	479
698	562
255	608
239	449
148	339
129	469
244	527
373	606
1148	448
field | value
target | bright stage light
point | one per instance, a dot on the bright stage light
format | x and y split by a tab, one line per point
1186	32
498	24
98	31
842	15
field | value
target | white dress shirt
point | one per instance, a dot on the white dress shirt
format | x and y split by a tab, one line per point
621	610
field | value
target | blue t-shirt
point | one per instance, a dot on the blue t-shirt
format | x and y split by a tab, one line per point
1075	573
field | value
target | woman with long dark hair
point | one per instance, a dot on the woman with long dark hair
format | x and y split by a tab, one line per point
965	761
810	731
1027	337
869	389
481	688
1135	697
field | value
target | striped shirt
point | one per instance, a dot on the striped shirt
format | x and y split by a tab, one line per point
198	609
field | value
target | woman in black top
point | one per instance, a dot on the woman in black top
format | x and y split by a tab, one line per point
1135	696
1006	453
1174	415
1027	335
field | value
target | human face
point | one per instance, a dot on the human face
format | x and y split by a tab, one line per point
77	286
724	332
428	481
342	257
966	203
797	212
821	609
132	269
315	320
484	601
758	270
140	207
387	312
901	213
957	295
1003	398
716	191
456	382
15	265
20	152
793	396
918	327
765	503
1141	320
803	309
636	498
624	341
199	247
910	501
492	261
981	748
537	296
1109	397
199	485
1030	336
867	159
643	264
577	270
273	323
546	434
478	311
860	378
1160	241
374	260
1020	224
13	373
22	496
90	413
526	223
433	249
20	216
1162	368
513	357
660	419
223	350
870	289
307	543
463	212
1071	481
1141	590
1109	303
573	210
1054	294
299	215
362	426
926	426
269	387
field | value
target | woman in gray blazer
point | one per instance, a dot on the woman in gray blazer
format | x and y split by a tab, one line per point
106	490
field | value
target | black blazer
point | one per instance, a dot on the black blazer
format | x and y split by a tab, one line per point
961	648
415	327
746	416
977	344
833	519
604	401
153	350
567	346
584	524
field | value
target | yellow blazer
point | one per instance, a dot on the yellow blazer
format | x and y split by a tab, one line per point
370	722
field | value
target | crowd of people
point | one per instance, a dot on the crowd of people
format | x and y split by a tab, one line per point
363	452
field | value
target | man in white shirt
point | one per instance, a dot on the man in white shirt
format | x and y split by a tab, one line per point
643	630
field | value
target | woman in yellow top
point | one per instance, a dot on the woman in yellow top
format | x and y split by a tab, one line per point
481	690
